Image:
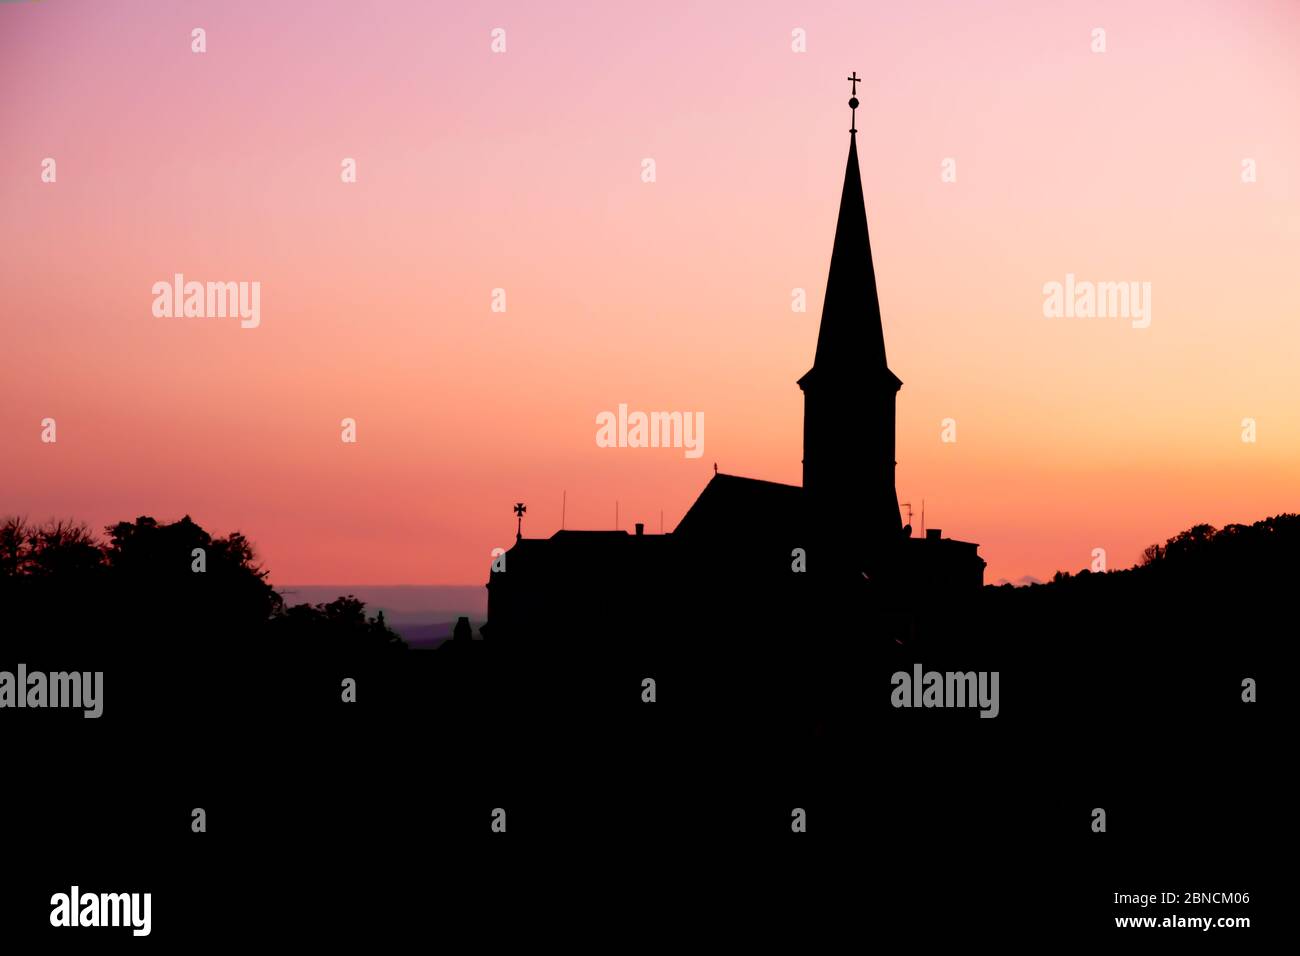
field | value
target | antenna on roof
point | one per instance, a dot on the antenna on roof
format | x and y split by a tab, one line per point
923	517
564	507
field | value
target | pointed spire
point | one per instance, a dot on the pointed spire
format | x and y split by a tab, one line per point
850	394
851	332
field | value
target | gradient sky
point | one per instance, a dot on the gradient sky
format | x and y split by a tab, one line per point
522	171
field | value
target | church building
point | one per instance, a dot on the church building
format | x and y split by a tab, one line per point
758	554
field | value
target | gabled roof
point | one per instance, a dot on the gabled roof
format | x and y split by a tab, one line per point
739	507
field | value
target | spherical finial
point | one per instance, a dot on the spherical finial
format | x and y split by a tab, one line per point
853	103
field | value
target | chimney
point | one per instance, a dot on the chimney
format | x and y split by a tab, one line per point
640	528
932	534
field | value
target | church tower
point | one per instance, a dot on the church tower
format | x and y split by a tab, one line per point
850	394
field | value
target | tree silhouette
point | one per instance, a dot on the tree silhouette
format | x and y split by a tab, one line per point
339	626
161	587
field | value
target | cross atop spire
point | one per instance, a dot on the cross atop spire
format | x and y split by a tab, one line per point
853	101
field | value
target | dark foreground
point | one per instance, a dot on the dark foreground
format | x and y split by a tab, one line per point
328	818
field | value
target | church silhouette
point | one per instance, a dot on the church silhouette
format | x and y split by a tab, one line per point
751	559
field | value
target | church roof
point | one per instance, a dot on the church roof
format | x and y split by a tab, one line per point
738	507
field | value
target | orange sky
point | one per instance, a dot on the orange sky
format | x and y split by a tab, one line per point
522	171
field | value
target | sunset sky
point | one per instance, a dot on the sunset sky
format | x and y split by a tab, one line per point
522	171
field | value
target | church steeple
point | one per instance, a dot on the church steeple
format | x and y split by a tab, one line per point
851	331
850	393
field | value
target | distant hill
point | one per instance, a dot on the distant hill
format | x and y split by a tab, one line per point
1024	581
423	614
1208	562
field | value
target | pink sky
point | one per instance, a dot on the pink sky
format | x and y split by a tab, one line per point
522	171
